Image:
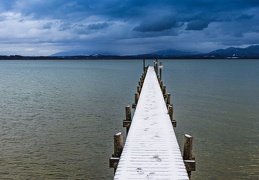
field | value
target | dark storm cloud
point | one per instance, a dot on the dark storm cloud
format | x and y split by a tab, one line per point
197	25
130	9
96	26
159	22
244	17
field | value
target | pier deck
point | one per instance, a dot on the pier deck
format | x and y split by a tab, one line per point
151	150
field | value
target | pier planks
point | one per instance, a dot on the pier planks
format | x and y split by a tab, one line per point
151	150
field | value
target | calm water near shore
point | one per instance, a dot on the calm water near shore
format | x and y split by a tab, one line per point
58	118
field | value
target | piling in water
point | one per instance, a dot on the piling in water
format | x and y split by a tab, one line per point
127	121
189	160
118	147
168	98
134	105
160	70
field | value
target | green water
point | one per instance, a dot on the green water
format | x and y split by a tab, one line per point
58	117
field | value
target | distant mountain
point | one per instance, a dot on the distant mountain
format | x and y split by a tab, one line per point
251	51
70	53
79	53
232	52
163	53
171	52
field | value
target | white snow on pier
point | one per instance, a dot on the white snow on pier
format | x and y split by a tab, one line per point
151	150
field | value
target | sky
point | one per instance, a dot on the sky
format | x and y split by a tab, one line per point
125	27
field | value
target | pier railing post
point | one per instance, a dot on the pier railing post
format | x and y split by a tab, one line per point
140	83
160	70
189	160
156	66
164	90
161	85
144	65
134	105
168	98
171	115
128	113
138	89
118	144
127	121
118	147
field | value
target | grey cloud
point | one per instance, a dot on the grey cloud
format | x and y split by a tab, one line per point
65	26
158	22
124	9
47	25
197	25
210	20
154	26
97	26
244	17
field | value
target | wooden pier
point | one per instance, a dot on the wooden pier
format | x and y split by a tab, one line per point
151	150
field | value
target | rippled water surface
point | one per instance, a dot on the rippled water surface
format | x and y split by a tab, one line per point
57	118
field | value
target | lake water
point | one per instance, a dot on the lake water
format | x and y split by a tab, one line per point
58	118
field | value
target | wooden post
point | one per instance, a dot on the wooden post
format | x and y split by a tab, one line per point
142	78
118	146
140	83
155	66
138	89
136	100
164	90
171	114
160	70
127	121
161	85
168	98
146	68
128	113
159	80
144	65
144	75
187	154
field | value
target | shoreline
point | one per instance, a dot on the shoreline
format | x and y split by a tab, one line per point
18	57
